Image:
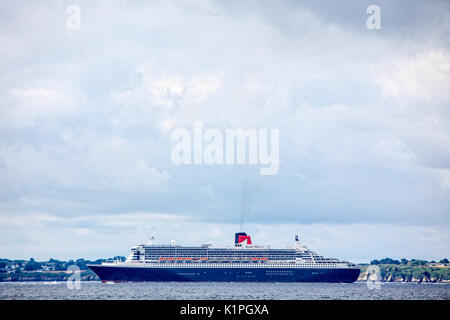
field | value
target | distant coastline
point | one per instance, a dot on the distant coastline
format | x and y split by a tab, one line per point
46	276
405	273
51	270
419	271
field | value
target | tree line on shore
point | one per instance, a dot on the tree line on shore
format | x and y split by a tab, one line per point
409	270
412	262
14	266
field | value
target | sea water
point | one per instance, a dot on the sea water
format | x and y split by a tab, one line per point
223	290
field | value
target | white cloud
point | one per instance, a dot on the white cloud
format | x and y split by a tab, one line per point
423	78
166	89
26	107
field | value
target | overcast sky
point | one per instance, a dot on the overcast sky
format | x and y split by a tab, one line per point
86	117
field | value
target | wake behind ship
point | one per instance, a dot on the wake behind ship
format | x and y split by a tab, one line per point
243	262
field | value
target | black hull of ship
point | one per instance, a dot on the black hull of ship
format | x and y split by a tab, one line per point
130	274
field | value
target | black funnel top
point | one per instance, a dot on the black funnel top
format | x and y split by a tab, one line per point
236	236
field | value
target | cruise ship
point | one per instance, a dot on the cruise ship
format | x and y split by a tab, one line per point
242	262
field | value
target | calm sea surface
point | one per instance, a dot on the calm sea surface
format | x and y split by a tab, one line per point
218	290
